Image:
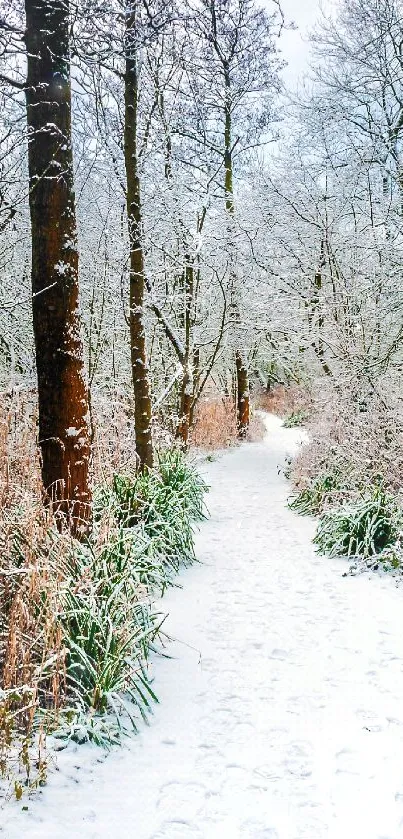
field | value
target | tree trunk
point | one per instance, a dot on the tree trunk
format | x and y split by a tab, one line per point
138	351
242	394
186	404
187	389
317	307
241	366
62	387
196	385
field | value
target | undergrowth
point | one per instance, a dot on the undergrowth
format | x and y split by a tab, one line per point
365	527
77	621
320	492
349	475
296	419
355	520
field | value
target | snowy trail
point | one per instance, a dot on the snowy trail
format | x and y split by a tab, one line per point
282	715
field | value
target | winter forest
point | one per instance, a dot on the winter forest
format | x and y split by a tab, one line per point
201	421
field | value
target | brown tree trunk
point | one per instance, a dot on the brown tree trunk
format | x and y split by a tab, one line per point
196	384
317	307
242	394
62	387
138	350
187	389
241	366
186	403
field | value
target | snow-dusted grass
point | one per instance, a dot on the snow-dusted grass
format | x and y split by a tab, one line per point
368	526
281	712
77	625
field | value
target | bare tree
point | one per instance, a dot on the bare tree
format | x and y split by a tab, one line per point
62	388
138	351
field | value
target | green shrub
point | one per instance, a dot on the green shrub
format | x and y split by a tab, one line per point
108	625
178	473
362	528
161	505
166	520
311	500
108	632
295	419
131	551
90	615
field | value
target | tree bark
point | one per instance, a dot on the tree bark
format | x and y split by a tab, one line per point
196	384
62	387
138	350
187	388
186	405
241	366
242	394
317	307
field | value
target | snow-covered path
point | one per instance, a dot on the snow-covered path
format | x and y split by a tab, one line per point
281	716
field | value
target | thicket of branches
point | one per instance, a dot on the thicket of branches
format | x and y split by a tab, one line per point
267	235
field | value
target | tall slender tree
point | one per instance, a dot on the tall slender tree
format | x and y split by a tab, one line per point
142	397
241	361
62	388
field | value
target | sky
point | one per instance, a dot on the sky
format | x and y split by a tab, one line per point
294	44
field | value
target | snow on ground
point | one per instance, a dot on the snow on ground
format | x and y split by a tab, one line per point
281	713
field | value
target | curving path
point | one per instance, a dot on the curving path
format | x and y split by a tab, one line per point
282	715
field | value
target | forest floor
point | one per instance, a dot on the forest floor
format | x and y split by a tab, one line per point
281	712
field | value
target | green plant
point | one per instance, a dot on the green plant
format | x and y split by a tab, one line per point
362	528
119	499
108	634
79	615
167	520
392	558
311	500
179	473
108	626
161	506
129	492
295	419
87	727
132	552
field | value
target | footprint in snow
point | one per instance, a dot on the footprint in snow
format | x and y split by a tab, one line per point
280	655
177	830
182	799
253	830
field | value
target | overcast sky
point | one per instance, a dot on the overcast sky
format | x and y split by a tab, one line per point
294	45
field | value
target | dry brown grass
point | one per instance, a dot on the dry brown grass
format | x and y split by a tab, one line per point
216	428
215	424
114	437
283	401
19	456
31	562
